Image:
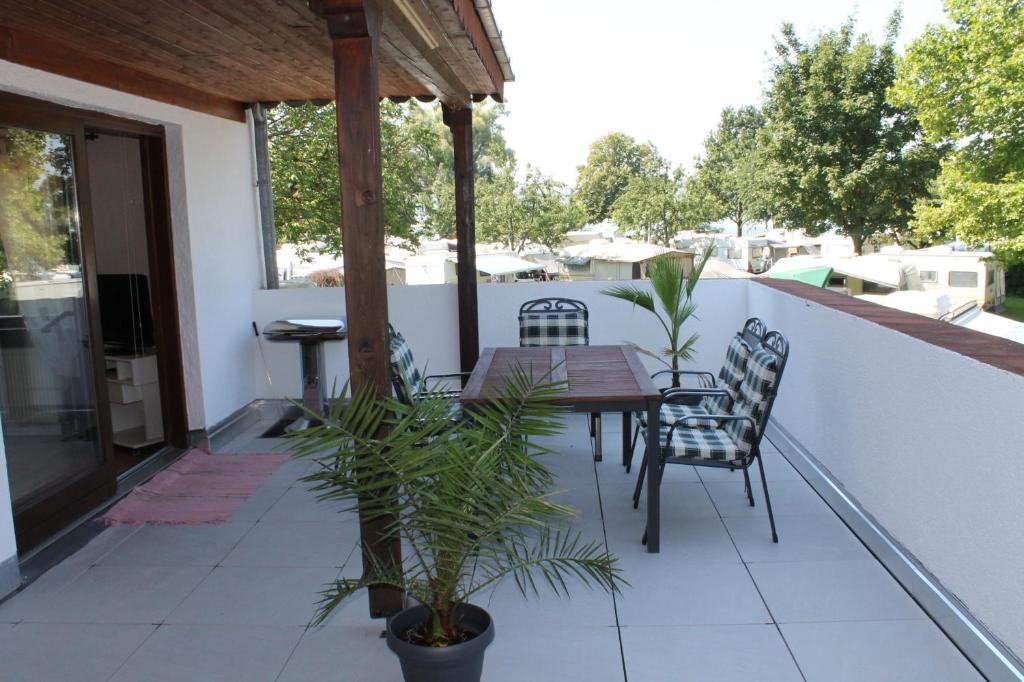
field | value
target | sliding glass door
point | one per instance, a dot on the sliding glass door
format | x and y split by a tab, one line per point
54	444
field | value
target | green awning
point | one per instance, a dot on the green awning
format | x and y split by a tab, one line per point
816	277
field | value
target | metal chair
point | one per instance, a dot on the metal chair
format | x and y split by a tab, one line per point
734	442
406	379
678	403
554	322
559	322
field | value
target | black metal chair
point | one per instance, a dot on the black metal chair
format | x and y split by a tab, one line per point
406	379
554	322
678	403
734	441
559	322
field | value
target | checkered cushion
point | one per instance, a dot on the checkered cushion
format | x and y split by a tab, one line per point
699	444
405	378
555	328
672	412
752	400
729	377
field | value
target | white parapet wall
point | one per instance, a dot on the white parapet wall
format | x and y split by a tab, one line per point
928	441
428	317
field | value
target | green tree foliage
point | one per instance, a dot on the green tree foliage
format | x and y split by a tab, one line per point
966	81
614	160
304	172
729	173
840	154
652	207
536	209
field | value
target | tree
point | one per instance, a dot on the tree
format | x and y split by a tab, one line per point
965	82
304	172
843	156
651	207
729	171
537	210
416	166
613	161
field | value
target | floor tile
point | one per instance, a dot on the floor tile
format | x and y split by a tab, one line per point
299	504
257	504
546	652
682	542
663	593
58	652
904	650
511	609
353	653
301	543
801	538
211	653
680	502
120	594
723	653
178	545
776	468
255	596
816	591
788	498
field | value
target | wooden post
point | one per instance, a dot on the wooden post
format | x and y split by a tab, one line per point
460	121
354	26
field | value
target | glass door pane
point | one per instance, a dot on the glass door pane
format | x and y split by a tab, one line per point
47	395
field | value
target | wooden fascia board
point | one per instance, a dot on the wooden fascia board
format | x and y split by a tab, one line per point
466	11
423	58
55	57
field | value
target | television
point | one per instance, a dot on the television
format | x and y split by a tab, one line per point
126	318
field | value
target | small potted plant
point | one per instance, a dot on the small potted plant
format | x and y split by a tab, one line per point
670	299
470	500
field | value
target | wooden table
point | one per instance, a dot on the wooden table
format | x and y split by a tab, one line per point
599	379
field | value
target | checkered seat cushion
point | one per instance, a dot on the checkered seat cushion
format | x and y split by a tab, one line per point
736	439
405	378
699	444
555	328
671	412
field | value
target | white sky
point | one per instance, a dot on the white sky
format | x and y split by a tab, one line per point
660	70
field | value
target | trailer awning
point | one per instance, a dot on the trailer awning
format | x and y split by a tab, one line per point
500	264
816	277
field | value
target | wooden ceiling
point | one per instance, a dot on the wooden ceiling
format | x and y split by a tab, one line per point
216	55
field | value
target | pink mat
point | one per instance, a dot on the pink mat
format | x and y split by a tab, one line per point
201	487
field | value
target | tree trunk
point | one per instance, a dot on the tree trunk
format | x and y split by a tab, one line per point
858	243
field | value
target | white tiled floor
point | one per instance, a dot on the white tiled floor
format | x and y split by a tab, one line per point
720	602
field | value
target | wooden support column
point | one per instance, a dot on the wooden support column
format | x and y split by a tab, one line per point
460	121
354	26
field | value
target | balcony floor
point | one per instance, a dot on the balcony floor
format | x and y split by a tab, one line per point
721	602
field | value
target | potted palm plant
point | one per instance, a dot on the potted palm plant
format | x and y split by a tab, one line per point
470	500
670	299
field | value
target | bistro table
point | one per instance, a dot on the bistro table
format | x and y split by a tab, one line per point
598	379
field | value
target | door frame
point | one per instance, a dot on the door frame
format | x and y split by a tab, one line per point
43	515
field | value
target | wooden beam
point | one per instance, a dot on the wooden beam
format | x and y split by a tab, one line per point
354	26
460	121
420	59
50	55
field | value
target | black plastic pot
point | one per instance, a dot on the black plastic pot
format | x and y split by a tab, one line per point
457	663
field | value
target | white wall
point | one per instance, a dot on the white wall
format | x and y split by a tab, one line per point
927	440
428	317
216	233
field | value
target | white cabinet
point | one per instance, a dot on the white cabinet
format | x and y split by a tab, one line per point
134	391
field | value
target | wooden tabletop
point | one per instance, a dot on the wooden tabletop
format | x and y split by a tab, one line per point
594	374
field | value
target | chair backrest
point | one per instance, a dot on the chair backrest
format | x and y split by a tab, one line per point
554	322
757	392
405	378
731	375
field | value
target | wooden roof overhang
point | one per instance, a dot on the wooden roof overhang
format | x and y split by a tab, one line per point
216	56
